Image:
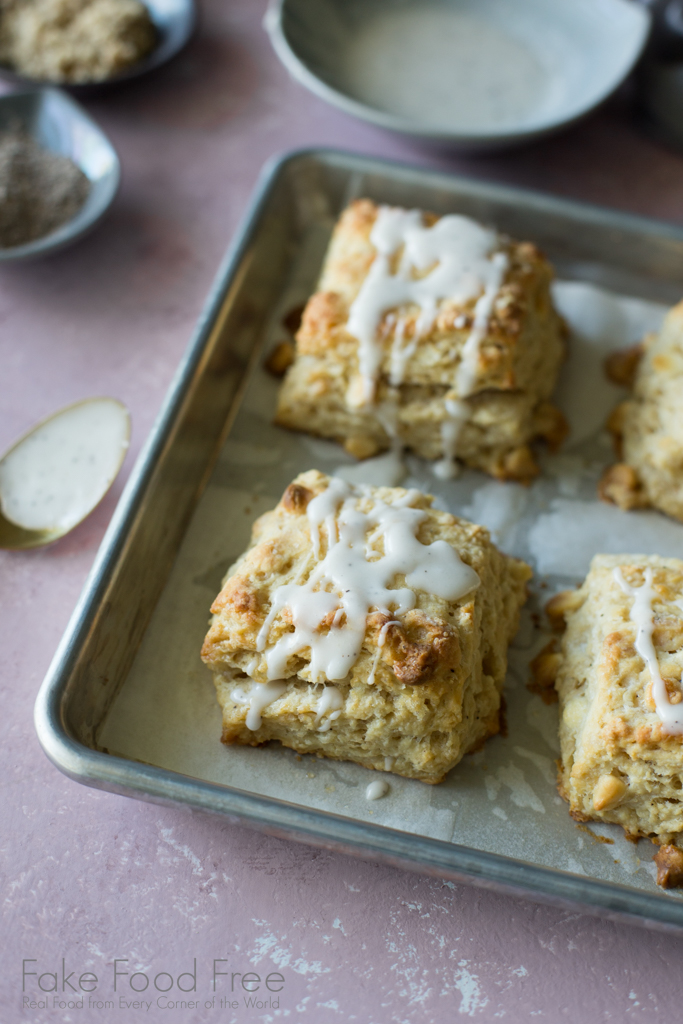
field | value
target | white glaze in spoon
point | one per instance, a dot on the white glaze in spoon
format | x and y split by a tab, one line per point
58	472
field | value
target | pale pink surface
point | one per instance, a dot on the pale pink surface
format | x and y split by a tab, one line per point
92	877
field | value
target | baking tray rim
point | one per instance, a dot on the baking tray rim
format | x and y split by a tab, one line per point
278	817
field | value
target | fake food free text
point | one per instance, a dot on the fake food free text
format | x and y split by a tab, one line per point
122	979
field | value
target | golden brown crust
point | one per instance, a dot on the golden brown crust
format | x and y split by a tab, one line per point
361	446
562	604
291	321
669	861
422	693
615	426
296	498
517	365
648	427
418	646
519	465
280	359
550	425
621	366
618	763
544	669
619	485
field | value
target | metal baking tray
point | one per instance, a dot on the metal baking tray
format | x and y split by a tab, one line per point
127	705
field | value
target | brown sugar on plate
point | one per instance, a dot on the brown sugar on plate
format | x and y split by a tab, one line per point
74	41
365	625
618	677
435	334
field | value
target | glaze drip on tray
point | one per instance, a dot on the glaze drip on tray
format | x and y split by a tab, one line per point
365	552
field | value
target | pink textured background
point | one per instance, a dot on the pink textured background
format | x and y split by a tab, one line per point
92	877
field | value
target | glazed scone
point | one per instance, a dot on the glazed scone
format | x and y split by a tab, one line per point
364	625
618	676
435	334
648	427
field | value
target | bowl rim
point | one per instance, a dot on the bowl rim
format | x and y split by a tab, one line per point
273	24
77	226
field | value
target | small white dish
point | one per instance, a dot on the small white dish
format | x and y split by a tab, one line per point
475	74
60	124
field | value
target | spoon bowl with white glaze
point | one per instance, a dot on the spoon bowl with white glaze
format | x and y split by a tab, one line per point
471	74
58	472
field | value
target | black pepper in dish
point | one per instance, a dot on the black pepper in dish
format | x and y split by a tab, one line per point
39	190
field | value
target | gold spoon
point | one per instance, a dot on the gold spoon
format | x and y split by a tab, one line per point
60	470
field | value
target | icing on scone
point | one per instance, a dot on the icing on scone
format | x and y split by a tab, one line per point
458	415
453	259
258	699
365	551
642	617
381	640
331	703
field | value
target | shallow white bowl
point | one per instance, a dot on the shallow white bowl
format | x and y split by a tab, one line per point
477	74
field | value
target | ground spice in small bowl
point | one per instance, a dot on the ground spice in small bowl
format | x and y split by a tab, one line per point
39	190
74	41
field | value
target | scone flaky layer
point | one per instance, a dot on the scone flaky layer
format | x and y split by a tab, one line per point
619	764
649	427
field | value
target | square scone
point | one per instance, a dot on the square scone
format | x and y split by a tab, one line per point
618	677
648	426
365	625
435	334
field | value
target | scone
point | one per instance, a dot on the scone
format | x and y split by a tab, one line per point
648	427
434	334
364	625
618	676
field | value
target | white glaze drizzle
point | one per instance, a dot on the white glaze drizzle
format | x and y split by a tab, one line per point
454	255
376	790
643	619
401	352
389	763
365	552
467	371
331	703
327	724
258	699
381	639
458	414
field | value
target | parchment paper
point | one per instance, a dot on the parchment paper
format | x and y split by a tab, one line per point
502	799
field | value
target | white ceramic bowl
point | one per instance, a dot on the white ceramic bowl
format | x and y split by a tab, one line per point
476	74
